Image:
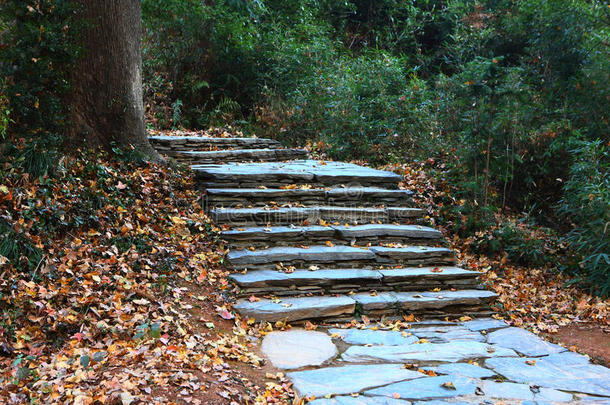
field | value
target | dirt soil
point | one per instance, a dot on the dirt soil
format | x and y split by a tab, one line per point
587	338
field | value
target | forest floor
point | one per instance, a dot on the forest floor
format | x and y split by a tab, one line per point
128	299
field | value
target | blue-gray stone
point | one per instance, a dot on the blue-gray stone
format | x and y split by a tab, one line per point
463	369
348	379
553	372
297	348
360	400
445	334
508	390
523	341
446	352
374	337
484	324
428	388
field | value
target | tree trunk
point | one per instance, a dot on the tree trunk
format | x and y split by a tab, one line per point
107	105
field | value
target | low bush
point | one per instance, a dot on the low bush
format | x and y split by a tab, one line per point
586	205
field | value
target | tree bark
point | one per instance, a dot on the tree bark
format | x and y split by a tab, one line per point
106	105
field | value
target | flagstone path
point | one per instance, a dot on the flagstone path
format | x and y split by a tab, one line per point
331	241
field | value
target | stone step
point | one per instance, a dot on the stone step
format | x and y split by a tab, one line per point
343	281
278	174
237	155
338	234
353	196
344	307
166	144
443	302
340	256
274	215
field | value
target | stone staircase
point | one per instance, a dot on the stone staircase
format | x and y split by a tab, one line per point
315	240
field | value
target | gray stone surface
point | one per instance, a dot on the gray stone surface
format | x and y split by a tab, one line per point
320	254
233	155
164	143
263	215
354	196
360	400
523	341
374	337
485	324
445	334
429	272
428	388
322	277
298	348
303	171
445	352
470	390
404	231
268	233
463	369
453	401
355	193
555	371
411	252
508	390
348	379
292	309
413	301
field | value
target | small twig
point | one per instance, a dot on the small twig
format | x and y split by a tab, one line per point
37	267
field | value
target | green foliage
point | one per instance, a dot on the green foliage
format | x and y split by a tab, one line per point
495	91
586	203
518	242
5	111
198	54
37	49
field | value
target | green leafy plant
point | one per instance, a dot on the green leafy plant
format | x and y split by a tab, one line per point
586	203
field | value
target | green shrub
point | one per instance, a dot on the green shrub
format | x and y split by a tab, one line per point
37	49
586	204
196	55
520	244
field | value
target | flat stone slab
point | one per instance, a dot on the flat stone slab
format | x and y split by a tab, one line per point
370	231
270	278
296	215
360	400
356	193
276	232
164	142
428	388
373	337
293	309
465	387
376	230
411	252
298	348
247	154
508	390
445	352
484	324
308	171
430	272
320	254
418	300
441	299
293	215
446	334
561	371
348	379
352	194
523	341
462	369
